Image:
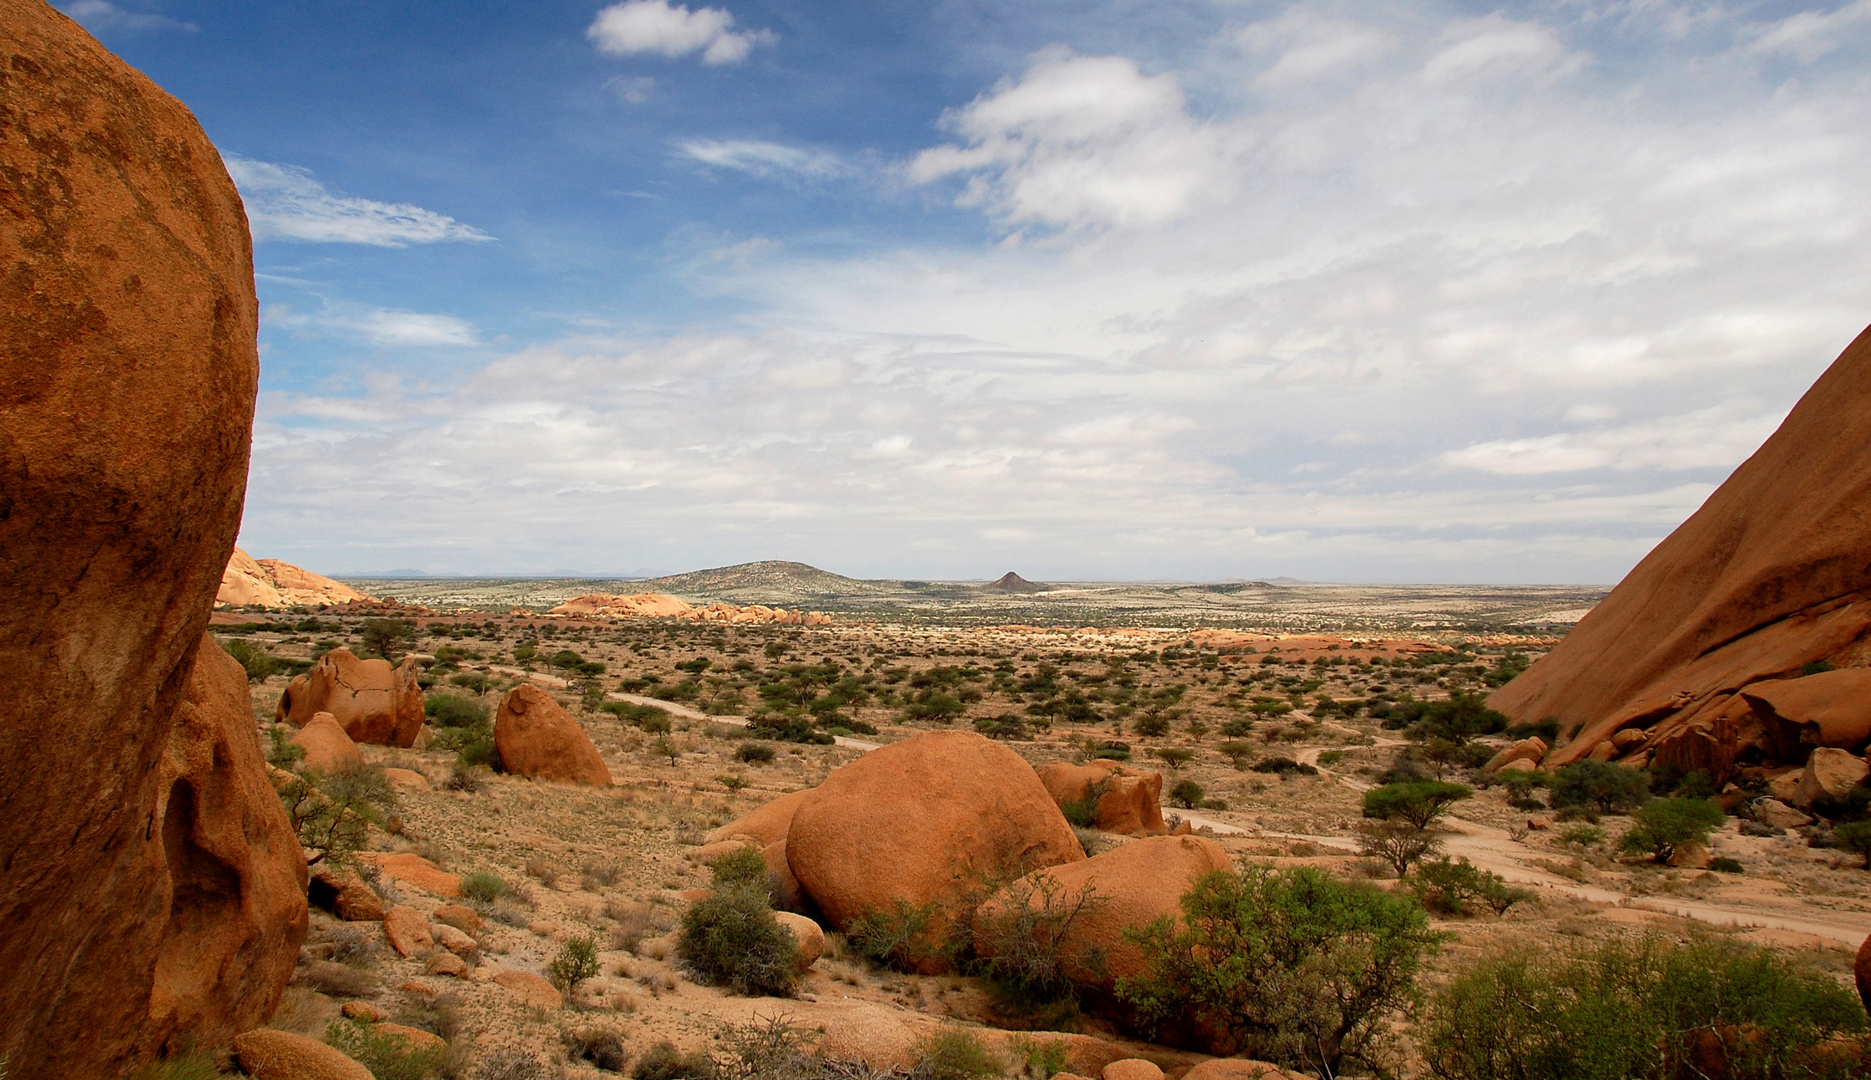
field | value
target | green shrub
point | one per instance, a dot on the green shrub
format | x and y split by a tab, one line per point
577	961
753	753
604	1049
1419	802
257	662
387	1056
1661	826
1451	886
281	751
1600	785
1299	968
1724	864
1240	753
899	936
1022	943
1583	835
732	939
1284	766
956	1054
332	815
1187	794
664	1062
483	886
742	866
455	711
1173	756
1855	837
1631	1011
198	1066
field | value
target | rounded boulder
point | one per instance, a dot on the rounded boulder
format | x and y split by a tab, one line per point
922	822
767	823
537	738
327	747
811	939
266	1054
1129	802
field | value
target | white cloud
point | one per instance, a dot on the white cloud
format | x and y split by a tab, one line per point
103	17
1308	47
762	158
376	326
656	26
1496	46
1080	142
631	90
1809	35
285	202
1707	439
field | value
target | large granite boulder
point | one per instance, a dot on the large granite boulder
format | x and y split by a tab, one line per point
1768	576
374	702
923	823
537	738
126	408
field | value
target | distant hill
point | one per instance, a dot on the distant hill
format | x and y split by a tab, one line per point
770	582
1014	583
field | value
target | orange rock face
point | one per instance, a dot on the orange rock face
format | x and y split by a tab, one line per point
1861	971
1131	802
126	406
1832	708
1767	576
270	583
767	824
922	821
374	702
537	738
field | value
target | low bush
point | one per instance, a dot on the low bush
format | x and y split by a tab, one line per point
899	936
664	1062
732	939
1187	794
576	961
483	886
603	1049
455	711
1454	886
1284	766
1661	826
1419	802
1645	1010
1298	968
956	1054
1855	837
1600	785
753	753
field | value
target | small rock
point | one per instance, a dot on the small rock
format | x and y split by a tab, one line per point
530	989
1690	856
408	930
1133	1069
708	853
1529	750
455	941
482	974
415	870
1829	774
1516	765
407	779
1779	815
807	933
1629	738
265	1054
327	748
416	1037
417	986
1785	786
461	918
1239	1069
447	963
424	736
344	892
1539	824
362	1010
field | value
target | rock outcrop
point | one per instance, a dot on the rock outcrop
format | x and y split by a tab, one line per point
374	702
140	903
1129	802
270	583
766	824
921	822
1768	576
537	738
281	1055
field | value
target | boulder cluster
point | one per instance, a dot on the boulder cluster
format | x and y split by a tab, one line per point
270	583
1743	641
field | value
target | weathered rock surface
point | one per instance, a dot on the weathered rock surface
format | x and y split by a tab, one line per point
327	748
1128	886
1130	803
408	931
921	821
1779	815
537	738
270	583
1767	576
374	702
1861	972
530	989
1829	774
1832	708
766	824
1132	1069
782	886
412	869
128	312
345	894
280	1055
1239	1069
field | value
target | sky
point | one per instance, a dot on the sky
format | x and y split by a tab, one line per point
1087	289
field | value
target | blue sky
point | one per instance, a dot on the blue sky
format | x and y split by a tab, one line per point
1346	291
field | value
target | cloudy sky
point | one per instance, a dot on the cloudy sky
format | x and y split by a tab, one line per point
1347	291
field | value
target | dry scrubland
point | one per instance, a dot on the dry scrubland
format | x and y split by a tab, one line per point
614	864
